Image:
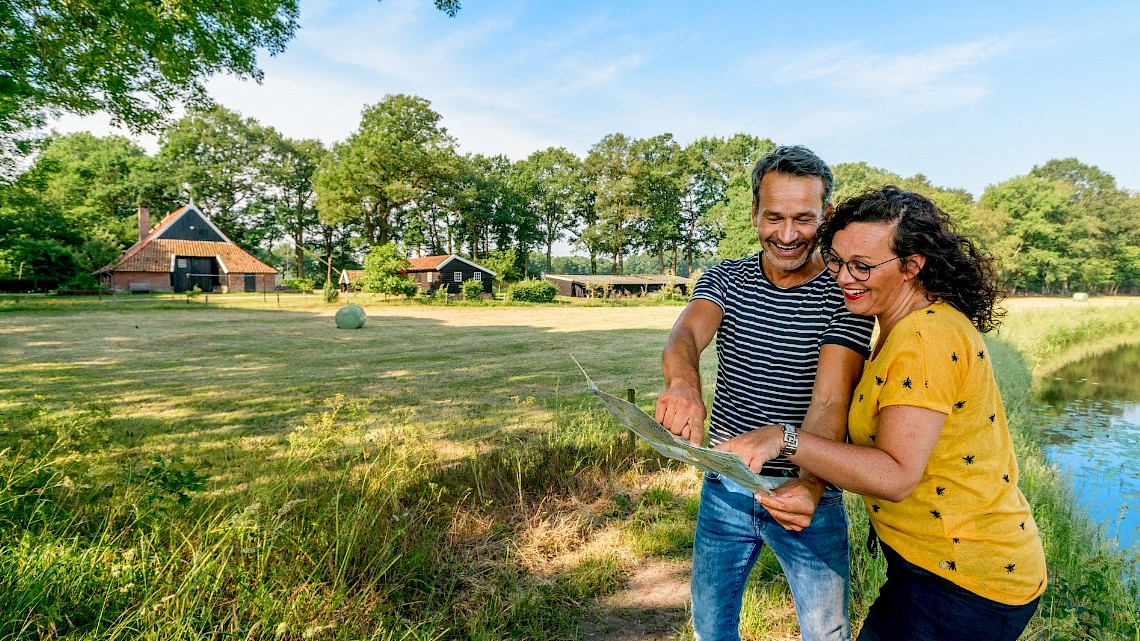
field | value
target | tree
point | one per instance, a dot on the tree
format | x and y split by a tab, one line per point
504	263
728	179
658	174
382	271
290	201
550	181
610	166
1033	245
399	156
218	157
132	59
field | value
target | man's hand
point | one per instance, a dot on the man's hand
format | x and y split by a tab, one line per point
793	503
681	411
756	447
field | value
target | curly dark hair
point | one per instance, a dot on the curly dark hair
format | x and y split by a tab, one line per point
956	270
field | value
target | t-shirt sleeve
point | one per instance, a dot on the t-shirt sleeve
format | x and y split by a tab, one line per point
916	375
849	330
712	286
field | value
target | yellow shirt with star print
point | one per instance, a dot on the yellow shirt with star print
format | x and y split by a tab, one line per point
966	520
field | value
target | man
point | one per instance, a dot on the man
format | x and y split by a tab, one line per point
788	353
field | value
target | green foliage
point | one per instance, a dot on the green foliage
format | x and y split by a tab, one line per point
504	263
398	157
172	480
299	284
330	292
382	269
472	290
532	291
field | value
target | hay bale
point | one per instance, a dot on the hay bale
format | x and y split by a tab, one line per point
350	317
1081	297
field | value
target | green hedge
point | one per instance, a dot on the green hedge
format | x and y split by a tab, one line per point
532	291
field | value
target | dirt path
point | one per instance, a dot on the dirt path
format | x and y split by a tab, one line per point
654	607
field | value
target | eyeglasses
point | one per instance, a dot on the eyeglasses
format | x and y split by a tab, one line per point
859	270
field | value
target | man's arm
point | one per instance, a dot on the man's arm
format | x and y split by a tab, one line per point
793	504
680	408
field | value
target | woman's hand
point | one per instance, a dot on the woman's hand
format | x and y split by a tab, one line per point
756	447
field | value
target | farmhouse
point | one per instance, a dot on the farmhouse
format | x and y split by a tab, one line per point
186	250
594	286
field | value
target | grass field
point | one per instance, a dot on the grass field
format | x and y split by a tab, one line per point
242	469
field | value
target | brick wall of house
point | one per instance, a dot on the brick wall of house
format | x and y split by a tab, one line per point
158	281
236	283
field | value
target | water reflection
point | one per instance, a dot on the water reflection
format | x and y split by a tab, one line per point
1091	429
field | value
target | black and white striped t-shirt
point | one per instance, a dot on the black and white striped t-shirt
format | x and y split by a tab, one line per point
768	346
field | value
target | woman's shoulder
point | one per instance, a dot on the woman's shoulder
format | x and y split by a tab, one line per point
940	322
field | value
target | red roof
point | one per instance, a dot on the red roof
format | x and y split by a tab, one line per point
433	263
427	263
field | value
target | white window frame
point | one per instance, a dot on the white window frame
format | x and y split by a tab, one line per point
429	277
478	277
458	277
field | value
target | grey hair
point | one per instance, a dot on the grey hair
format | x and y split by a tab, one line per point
794	160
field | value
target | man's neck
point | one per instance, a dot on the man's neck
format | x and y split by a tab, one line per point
785	279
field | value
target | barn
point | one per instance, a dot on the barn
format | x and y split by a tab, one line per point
447	270
183	251
430	272
604	285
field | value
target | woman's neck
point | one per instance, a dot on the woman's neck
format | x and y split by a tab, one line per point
913	300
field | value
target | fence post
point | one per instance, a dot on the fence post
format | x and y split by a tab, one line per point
631	396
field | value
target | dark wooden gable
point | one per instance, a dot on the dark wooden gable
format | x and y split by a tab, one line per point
455	264
192	225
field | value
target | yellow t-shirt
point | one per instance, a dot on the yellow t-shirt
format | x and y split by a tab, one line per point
966	520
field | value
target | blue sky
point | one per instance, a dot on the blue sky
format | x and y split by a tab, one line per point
967	93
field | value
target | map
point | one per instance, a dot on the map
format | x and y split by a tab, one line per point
723	463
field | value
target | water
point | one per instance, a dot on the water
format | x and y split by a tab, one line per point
1091	429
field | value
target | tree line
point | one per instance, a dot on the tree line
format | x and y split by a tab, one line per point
400	177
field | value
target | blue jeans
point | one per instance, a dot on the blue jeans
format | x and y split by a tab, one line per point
917	605
732	529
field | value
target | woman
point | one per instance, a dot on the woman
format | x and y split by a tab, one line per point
930	450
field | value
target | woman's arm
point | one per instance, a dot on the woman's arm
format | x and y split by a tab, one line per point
889	470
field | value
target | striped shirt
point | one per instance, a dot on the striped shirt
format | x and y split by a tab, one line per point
768	346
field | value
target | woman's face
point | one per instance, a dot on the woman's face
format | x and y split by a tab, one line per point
867	245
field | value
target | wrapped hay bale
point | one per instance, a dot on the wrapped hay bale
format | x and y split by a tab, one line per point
350	317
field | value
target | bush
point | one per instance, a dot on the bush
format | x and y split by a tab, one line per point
303	284
472	289
532	291
331	293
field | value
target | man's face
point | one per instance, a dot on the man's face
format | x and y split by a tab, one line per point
787	219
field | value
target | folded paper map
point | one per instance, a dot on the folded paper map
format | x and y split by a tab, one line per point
724	463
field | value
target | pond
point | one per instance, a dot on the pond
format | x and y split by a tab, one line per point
1090	428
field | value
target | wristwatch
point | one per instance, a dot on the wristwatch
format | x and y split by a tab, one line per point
791	440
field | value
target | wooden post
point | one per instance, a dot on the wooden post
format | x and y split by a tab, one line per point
631	396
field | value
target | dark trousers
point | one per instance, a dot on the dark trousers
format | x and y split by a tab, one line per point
917	605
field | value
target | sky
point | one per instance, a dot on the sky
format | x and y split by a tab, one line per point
968	94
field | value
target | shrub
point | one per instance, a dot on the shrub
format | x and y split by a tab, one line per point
303	284
472	289
330	292
532	291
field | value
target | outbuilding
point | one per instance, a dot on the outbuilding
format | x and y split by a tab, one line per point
447	270
606	285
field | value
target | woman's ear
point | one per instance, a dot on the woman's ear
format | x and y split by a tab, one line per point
913	264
